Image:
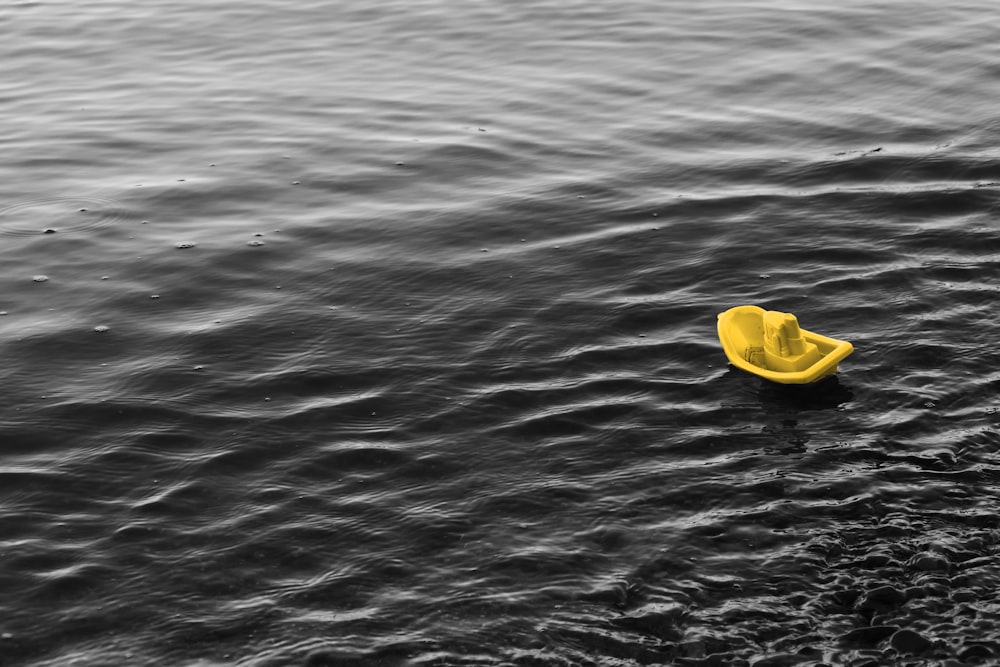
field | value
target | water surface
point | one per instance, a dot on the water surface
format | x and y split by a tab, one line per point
385	334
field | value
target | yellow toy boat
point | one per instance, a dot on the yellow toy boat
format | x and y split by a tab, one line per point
770	344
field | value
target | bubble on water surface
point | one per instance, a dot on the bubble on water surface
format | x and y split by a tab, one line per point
72	213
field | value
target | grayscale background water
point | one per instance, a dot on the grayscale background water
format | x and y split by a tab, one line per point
383	333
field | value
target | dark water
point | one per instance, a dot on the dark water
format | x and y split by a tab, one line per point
383	334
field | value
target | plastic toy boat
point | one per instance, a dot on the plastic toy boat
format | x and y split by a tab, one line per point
770	344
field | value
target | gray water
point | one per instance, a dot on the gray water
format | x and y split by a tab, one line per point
383	334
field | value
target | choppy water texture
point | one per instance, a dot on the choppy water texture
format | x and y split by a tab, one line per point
383	334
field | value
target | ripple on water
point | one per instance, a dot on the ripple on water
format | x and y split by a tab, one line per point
60	213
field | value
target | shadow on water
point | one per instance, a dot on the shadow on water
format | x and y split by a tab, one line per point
826	394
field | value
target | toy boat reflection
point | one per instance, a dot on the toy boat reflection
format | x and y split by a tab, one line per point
770	344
